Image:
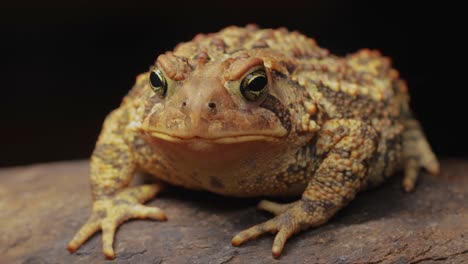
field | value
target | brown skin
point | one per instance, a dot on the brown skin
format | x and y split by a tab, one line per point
323	126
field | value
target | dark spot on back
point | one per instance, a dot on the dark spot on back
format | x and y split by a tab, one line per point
291	67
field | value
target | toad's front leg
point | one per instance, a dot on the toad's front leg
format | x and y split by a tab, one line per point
112	168
108	213
347	144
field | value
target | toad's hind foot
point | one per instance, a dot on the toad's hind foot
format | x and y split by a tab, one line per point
417	153
290	219
108	214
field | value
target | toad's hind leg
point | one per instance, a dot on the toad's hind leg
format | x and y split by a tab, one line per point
417	153
347	146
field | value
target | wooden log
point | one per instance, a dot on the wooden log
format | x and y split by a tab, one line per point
42	206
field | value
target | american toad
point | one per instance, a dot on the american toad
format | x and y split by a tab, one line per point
256	112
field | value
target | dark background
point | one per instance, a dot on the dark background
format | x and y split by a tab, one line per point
64	66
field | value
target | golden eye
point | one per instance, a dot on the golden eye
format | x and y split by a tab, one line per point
254	85
158	82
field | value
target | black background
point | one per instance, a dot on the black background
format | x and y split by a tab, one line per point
66	65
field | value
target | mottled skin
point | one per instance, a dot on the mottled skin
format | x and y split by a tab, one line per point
325	128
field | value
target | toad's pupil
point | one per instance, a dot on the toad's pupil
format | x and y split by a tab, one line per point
155	80
258	83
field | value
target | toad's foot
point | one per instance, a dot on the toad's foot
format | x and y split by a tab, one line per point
109	213
417	153
290	219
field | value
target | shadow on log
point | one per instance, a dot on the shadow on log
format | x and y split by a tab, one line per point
42	206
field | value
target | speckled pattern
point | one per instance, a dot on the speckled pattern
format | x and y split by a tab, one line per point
256	112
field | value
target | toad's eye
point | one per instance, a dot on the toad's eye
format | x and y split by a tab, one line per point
254	85
158	82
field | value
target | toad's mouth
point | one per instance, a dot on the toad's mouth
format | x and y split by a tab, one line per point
231	139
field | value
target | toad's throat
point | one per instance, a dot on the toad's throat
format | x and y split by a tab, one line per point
232	139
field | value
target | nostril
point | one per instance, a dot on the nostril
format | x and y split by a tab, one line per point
212	105
184	104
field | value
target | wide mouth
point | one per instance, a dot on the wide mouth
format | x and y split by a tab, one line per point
231	139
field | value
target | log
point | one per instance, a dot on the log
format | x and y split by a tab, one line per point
42	206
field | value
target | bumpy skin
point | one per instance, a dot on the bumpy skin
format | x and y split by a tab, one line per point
326	128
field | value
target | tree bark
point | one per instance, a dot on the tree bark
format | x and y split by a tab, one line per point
42	206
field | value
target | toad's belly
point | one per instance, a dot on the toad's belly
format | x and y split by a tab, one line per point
248	184
244	170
